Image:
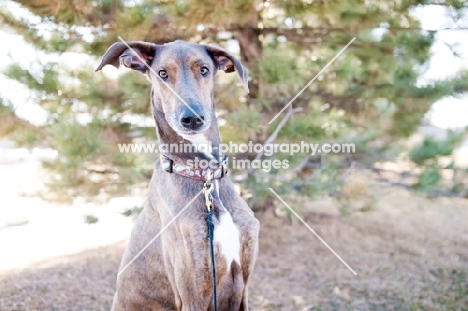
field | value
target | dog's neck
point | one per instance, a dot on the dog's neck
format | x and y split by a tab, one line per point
168	136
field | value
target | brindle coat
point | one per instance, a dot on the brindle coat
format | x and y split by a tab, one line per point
174	272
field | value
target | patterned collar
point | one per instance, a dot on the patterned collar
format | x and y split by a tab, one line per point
168	165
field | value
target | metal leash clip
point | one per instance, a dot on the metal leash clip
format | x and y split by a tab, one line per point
208	190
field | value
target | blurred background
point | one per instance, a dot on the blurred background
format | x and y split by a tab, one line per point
395	210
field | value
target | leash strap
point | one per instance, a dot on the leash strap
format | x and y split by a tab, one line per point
208	188
209	222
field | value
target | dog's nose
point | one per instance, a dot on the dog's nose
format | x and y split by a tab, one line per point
191	119
192	122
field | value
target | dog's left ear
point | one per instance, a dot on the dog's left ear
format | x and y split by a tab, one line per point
225	61
138	57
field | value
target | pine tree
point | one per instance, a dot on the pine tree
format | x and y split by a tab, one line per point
369	96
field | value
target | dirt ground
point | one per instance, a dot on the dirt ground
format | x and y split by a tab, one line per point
409	252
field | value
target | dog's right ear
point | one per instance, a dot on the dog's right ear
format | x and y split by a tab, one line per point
138	57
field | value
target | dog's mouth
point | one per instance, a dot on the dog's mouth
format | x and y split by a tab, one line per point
191	134
195	137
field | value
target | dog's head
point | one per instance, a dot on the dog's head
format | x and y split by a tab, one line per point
182	76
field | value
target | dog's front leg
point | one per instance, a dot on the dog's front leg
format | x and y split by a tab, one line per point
189	260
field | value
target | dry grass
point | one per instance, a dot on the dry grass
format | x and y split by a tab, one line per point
80	282
410	253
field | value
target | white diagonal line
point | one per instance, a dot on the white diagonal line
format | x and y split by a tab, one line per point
164	82
313	231
313	79
157	235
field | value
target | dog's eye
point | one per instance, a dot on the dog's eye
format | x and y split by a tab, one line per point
163	74
204	71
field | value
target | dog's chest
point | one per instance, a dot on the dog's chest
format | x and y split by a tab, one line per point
226	235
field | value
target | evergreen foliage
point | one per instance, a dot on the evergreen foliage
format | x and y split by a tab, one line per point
369	96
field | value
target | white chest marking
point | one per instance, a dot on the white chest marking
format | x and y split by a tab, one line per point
227	235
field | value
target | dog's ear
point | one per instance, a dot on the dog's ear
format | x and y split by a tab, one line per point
225	61
138	57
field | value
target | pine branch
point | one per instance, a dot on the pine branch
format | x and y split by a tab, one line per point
276	131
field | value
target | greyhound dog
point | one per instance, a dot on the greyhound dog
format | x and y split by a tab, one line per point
174	271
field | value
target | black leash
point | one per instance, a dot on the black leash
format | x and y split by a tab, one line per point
208	190
209	222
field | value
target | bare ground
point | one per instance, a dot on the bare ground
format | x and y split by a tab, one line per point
409	252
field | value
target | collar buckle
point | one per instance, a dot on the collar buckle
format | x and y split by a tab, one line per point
168	166
224	166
